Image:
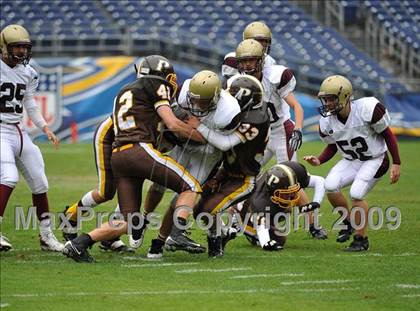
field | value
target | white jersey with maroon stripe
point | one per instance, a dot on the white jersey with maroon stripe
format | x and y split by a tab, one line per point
199	160
18	85
18	152
358	138
218	119
278	82
230	64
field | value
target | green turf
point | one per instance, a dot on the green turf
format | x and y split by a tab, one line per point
306	275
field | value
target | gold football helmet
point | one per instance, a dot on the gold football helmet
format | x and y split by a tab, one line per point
12	36
335	93
203	93
250	57
259	31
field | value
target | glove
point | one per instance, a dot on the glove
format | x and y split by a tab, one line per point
309	207
272	245
296	140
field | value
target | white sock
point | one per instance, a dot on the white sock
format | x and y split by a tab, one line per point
45	225
88	200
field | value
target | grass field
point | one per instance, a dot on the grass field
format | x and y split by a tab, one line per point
306	275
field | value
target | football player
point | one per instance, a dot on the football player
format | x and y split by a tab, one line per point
202	97
278	82
359	130
258	31
277	190
18	82
138	109
102	147
243	149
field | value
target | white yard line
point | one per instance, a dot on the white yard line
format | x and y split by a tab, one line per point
326	289
173	292
411	296
251	276
271	256
212	270
159	264
407	285
316	282
4	305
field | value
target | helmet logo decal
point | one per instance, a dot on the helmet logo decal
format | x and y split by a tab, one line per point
243	92
273	180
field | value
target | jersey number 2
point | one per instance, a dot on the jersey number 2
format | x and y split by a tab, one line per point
13	91
125	122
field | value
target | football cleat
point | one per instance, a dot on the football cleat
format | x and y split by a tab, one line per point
215	246
344	234
76	253
181	242
4	244
252	239
117	246
69	232
230	234
318	234
272	245
49	242
156	249
359	244
136	243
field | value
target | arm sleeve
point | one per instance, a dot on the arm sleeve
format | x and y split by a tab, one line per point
391	143
380	118
218	140
325	138
328	153
287	83
34	113
317	182
31	106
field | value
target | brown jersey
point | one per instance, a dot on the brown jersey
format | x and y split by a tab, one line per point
253	131
135	117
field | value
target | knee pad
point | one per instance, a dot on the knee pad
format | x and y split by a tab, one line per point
39	184
332	185
359	189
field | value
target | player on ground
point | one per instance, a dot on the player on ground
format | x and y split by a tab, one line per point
277	191
359	129
18	83
138	109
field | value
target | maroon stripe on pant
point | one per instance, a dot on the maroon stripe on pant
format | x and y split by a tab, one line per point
288	128
383	168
